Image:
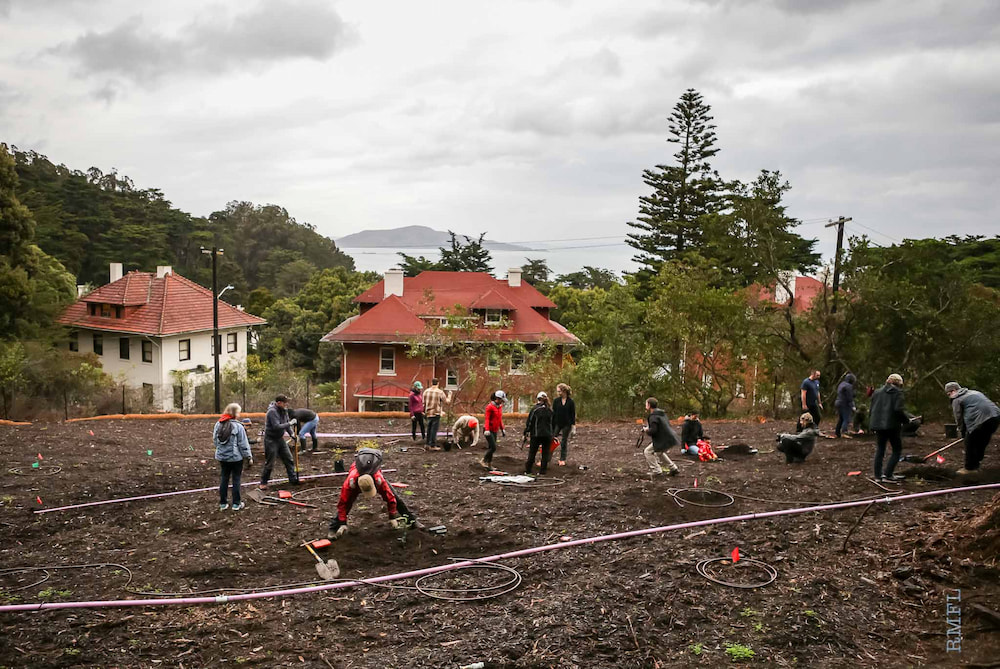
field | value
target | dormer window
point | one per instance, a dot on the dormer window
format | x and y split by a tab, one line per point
105	311
493	317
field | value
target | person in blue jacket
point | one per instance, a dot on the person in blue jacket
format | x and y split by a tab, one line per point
232	448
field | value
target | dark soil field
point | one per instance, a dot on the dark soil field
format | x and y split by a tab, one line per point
637	602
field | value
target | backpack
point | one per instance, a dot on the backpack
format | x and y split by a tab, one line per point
705	452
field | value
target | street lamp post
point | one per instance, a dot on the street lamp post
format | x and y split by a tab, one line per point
216	344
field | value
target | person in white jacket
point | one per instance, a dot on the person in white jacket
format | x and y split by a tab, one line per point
465	431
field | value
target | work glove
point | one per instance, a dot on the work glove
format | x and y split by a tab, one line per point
503	432
293	422
398	522
572	430
249	462
487	433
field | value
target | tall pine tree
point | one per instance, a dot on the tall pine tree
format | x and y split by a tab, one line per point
668	224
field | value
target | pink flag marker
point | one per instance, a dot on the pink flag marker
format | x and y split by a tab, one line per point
736	555
696	483
40	457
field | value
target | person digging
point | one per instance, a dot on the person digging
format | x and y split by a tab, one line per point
465	431
366	478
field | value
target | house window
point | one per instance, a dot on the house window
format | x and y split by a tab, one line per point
212	347
147	351
99	344
387	360
179	398
524	404
517	362
118	312
451	379
74	341
231	342
706	380
492	360
184	349
93	309
124	346
493	316
105	311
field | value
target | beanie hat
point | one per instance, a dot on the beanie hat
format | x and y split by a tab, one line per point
366	484
895	379
952	386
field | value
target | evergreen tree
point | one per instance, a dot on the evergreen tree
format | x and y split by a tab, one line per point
668	222
468	257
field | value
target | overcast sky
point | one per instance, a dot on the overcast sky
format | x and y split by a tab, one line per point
532	120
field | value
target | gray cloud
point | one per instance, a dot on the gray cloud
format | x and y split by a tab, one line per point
272	31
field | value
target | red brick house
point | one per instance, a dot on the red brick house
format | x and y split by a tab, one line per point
474	332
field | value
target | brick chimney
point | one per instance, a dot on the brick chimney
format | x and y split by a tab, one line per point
514	277
393	282
115	271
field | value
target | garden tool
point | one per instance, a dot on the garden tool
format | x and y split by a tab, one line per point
289	501
917	459
328	570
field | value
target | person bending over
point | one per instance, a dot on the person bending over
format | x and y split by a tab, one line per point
307	421
465	431
797	447
977	418
366	478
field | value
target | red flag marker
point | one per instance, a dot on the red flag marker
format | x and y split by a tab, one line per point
736	555
40	457
39	500
940	459
696	483
854	473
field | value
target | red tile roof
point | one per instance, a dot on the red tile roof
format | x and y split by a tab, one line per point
155	306
397	318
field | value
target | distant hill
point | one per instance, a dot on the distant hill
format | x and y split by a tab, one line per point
413	237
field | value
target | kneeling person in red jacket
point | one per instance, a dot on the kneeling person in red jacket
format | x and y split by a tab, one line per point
366	478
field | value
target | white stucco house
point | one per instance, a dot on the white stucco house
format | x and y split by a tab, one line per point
154	332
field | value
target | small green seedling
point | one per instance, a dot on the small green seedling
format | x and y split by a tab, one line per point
738	652
695	649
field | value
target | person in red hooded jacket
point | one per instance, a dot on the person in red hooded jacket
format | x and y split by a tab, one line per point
493	424
366	478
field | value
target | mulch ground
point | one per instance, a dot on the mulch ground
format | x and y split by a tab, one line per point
631	603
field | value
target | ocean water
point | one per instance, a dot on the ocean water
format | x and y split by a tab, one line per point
615	257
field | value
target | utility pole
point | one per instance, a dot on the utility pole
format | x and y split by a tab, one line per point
836	262
215	253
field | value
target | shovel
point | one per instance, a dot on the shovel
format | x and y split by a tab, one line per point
918	459
328	570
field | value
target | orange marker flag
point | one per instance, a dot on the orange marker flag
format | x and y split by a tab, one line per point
736	555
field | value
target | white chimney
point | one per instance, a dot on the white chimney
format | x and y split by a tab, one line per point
514	277
116	271
163	270
393	282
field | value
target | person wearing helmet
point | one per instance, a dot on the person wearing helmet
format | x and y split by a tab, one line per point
539	430
493	424
366	479
465	431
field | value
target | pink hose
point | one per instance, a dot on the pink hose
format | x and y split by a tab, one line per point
224	599
180	492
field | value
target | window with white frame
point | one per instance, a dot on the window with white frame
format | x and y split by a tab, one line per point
451	379
184	349
147	350
231	342
517	362
493	317
387	360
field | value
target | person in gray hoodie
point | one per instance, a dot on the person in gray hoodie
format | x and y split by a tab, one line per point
276	425
231	448
977	418
845	405
887	419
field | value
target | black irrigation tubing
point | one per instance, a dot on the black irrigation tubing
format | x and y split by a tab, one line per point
485	592
772	573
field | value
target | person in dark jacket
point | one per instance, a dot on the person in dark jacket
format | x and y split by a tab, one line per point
564	418
277	424
663	437
691	432
845	405
539	431
415	405
307	421
797	447
231	448
886	420
811	401
977	418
